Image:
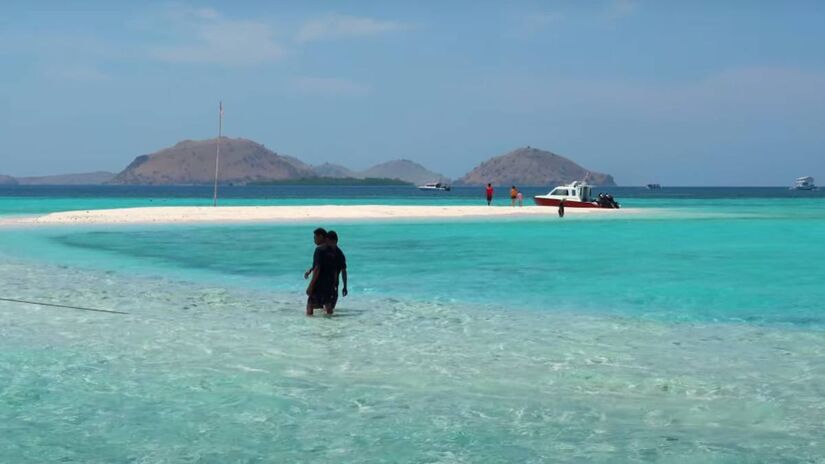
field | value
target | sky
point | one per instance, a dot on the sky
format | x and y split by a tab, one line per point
676	93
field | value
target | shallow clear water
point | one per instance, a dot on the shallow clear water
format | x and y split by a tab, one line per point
692	333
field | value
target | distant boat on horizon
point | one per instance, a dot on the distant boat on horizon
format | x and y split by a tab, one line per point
653	186
434	186
804	183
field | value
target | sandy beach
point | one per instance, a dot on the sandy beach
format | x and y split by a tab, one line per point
234	214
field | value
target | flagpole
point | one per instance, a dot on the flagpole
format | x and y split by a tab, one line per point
218	153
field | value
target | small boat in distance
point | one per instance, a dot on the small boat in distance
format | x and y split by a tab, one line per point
434	186
653	186
804	183
576	195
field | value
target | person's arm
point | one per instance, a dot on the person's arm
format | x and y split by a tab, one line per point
316	271
344	278
314	263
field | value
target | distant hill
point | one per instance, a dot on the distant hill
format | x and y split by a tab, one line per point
7	180
334	181
334	170
531	166
405	170
86	178
298	164
193	162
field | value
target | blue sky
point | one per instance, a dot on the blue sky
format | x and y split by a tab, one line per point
680	93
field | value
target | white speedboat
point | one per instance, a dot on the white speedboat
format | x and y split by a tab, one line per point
804	183
576	195
434	186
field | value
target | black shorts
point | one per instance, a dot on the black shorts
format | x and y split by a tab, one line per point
320	299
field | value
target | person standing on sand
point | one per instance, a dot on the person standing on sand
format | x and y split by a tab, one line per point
320	288
520	198
561	208
340	265
513	195
489	192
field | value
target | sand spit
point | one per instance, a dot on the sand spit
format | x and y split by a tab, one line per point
309	213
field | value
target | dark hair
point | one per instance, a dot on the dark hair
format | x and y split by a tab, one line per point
332	235
320	231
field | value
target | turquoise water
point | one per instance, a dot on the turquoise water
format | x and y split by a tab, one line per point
692	332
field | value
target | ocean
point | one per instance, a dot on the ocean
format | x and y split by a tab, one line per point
691	332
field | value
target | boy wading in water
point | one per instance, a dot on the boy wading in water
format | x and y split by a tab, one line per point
340	266
489	192
324	272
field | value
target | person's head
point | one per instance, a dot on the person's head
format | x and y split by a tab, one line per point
489	185
332	237
513	187
320	236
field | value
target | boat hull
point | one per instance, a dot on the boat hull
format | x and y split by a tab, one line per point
543	201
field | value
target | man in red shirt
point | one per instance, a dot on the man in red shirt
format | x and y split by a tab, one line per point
489	191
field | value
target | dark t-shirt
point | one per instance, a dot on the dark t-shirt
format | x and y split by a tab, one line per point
326	260
340	264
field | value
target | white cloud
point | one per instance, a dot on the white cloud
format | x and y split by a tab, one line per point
339	26
618	9
328	87
212	38
219	40
525	25
207	13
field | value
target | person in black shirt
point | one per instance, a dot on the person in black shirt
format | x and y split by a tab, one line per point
340	265
324	272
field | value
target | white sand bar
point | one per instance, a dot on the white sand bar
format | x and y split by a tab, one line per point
204	214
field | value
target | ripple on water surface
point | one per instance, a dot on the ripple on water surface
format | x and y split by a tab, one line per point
205	374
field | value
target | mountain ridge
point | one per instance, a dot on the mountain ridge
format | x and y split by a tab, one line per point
243	161
7	180
531	166
82	178
193	162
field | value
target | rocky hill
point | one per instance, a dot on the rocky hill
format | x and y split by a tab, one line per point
7	180
86	178
531	166
193	162
405	170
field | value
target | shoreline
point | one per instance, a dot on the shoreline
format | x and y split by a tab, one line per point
264	214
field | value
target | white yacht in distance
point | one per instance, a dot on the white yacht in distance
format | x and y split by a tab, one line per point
804	183
434	186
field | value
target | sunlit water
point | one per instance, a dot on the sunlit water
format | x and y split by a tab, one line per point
692	334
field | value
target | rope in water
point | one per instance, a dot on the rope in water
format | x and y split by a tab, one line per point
53	305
